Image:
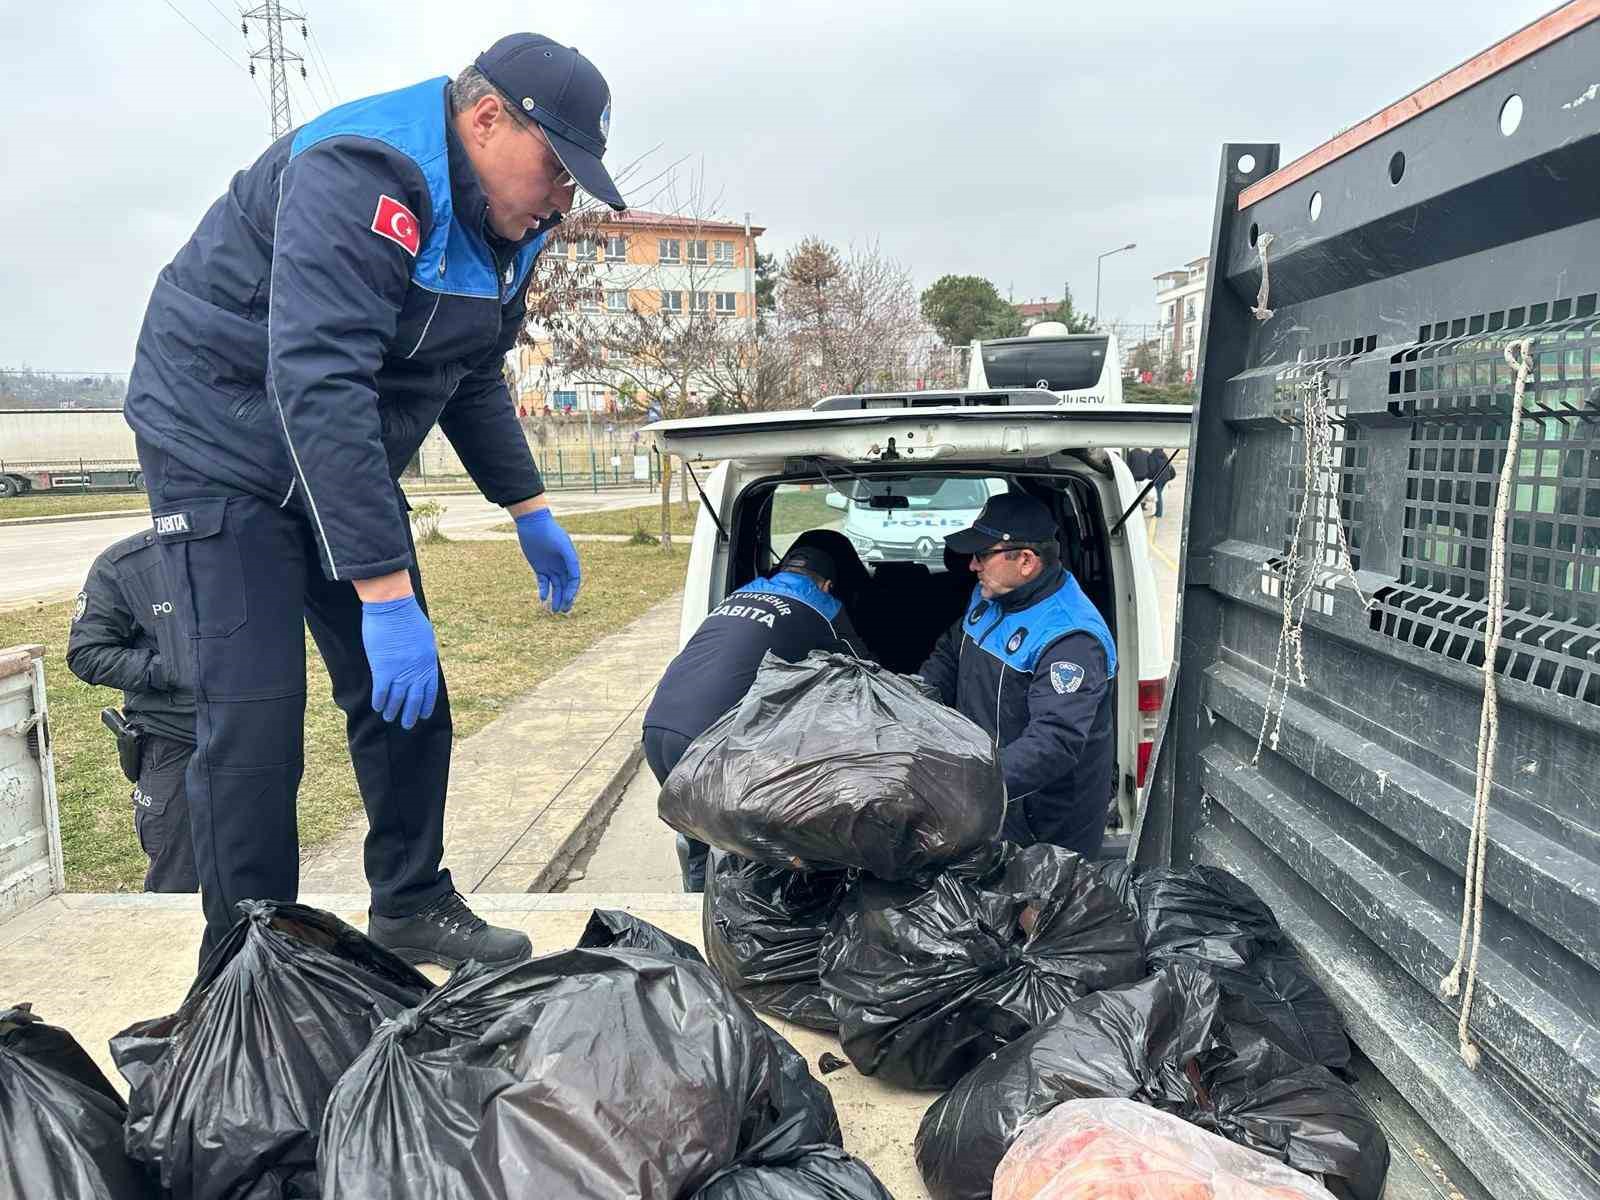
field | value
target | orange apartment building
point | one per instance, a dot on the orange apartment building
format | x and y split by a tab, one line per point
646	261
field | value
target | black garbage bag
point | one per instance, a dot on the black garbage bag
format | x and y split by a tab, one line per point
763	928
799	1173
1202	913
799	1092
1209	917
832	762
585	1073
927	983
1131	1043
60	1119
1273	1007
227	1093
613	929
1309	1119
1165	1042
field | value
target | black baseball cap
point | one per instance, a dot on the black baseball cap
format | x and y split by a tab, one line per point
566	94
813	558
1008	517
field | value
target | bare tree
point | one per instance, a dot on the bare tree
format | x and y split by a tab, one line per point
850	319
653	332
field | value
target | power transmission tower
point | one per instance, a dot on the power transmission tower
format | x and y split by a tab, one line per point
272	14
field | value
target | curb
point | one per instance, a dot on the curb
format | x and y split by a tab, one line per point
63	518
606	799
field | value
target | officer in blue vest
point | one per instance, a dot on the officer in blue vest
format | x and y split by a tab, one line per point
360	283
1032	662
791	613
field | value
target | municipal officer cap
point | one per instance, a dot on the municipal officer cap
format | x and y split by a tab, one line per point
814	559
1008	517
566	94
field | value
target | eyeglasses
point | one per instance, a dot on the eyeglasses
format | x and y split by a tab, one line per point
564	178
983	556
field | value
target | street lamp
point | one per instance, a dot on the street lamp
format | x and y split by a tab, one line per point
1097	263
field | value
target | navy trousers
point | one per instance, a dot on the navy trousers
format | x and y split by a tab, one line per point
246	583
662	750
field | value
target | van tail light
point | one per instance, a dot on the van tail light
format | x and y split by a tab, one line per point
1152	693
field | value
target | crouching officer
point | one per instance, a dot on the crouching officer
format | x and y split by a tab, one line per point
125	635
791	613
1032	662
361	282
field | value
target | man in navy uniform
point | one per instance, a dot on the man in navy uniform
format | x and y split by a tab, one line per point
1032	662
362	281
124	635
791	613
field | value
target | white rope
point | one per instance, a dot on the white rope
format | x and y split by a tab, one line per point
1319	493
1488	721
1260	311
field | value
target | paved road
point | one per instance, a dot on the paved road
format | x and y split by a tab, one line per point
636	851
49	562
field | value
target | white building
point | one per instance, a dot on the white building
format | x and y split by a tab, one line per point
1180	300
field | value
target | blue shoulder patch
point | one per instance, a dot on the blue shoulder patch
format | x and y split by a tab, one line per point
1066	677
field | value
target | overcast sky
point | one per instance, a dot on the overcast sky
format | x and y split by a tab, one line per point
1011	140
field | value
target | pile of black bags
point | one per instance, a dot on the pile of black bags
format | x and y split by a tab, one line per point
60	1119
622	1067
927	982
308	1062
226	1095
1230	1033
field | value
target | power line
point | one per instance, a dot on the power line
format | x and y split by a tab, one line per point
320	60
229	19
203	34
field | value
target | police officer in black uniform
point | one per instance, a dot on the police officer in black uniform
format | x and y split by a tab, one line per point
361	282
125	635
1032	662
791	613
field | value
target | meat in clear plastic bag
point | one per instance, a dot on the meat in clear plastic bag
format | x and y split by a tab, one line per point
1121	1150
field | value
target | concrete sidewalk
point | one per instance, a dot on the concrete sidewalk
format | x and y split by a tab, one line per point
528	792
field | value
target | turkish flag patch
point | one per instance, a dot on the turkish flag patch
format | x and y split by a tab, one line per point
398	223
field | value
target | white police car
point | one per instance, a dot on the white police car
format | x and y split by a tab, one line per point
933	508
895	472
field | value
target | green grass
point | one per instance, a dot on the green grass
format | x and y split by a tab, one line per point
59	504
495	640
796	509
625	520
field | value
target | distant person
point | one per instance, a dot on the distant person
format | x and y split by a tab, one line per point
125	635
1031	662
791	613
1163	472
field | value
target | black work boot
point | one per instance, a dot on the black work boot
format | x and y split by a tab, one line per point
447	932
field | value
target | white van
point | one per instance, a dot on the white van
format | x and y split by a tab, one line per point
780	474
1077	368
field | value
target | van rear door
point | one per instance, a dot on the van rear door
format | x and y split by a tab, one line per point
950	434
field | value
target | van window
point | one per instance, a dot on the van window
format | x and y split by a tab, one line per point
1063	366
912	531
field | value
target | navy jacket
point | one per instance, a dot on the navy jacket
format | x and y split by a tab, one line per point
125	635
787	614
344	295
1034	668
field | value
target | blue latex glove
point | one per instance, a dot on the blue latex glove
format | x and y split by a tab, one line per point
549	552
404	659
